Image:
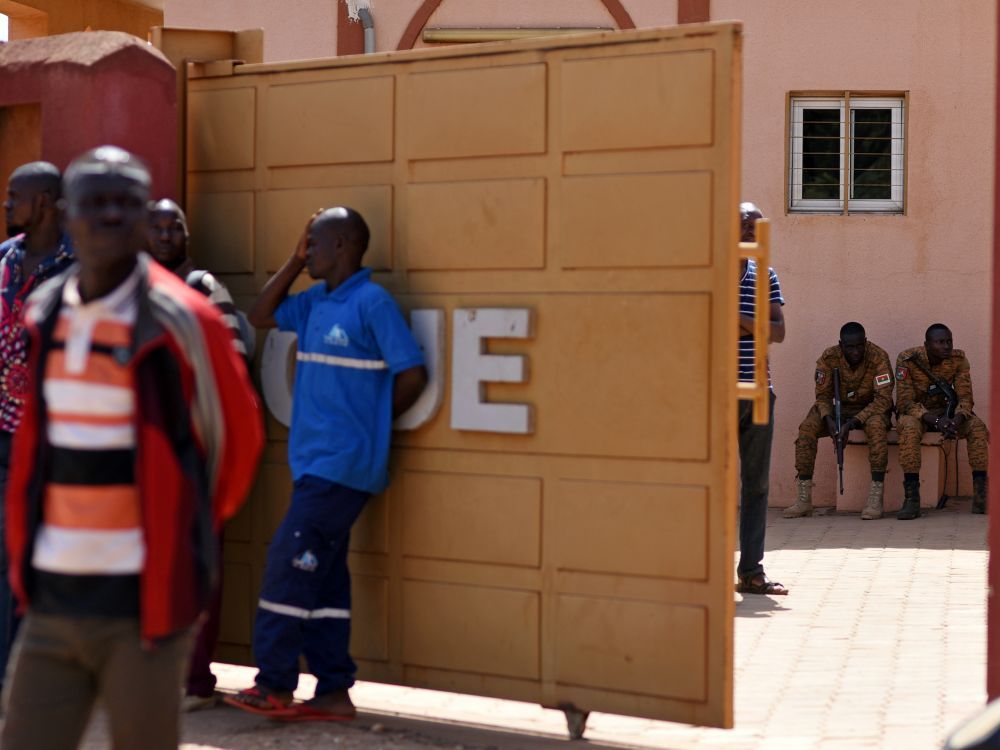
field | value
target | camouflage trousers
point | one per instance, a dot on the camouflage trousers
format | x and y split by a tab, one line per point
813	427
973	431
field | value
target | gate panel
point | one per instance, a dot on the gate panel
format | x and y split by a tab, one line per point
581	190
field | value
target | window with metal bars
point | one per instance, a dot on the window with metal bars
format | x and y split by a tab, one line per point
847	154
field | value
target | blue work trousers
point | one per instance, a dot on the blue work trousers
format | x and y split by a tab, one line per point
305	597
755	470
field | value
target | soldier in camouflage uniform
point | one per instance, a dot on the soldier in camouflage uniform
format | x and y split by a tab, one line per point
866	401
922	405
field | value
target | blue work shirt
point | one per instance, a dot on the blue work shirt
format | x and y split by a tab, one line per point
353	340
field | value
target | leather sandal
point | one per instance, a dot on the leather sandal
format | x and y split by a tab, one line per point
765	587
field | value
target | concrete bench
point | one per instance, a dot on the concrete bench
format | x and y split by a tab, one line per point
857	473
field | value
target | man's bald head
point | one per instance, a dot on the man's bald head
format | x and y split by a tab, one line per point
168	206
43	176
346	222
336	240
33	192
107	162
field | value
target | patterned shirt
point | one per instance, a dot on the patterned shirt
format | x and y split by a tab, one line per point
14	291
864	392
916	394
748	307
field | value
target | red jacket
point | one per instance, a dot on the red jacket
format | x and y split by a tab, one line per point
198	437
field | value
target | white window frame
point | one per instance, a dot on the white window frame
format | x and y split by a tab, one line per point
848	103
812	205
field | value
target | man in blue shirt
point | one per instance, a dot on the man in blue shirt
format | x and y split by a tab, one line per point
358	367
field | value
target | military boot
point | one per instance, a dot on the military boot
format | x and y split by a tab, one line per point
873	509
980	488
911	501
803	503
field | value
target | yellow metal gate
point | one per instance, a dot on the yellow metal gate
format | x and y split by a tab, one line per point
565	211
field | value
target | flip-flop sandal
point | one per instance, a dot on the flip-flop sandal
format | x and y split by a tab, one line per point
259	701
766	588
305	712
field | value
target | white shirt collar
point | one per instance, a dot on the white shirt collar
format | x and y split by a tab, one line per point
115	301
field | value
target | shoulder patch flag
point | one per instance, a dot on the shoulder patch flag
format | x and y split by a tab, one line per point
820	377
882	379
901	373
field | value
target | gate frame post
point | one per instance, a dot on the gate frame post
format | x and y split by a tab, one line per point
993	605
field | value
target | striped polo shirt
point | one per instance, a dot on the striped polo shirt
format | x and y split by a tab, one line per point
205	283
89	550
748	307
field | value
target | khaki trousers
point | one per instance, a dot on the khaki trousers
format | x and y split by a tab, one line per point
973	431
813	427
61	666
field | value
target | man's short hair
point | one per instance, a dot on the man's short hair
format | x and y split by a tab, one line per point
936	327
166	204
45	175
348	223
106	160
851	329
357	228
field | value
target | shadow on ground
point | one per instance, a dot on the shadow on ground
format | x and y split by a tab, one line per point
225	728
759	606
953	527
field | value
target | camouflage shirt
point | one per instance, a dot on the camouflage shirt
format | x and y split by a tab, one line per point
916	394
864	392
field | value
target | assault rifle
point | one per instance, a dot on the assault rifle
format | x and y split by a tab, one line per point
945	388
838	418
952	399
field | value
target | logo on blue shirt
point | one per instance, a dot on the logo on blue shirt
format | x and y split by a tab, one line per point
337	336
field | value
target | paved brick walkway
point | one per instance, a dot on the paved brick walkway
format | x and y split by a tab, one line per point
881	644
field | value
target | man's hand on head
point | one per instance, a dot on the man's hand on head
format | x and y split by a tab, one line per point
300	247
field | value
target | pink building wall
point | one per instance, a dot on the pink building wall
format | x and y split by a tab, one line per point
896	274
294	29
300	29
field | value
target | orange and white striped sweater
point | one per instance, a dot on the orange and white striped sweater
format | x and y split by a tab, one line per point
90	550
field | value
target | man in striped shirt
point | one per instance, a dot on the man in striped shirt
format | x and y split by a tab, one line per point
167	240
140	436
358	368
755	440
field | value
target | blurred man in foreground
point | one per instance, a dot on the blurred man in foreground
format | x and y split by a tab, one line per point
140	436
